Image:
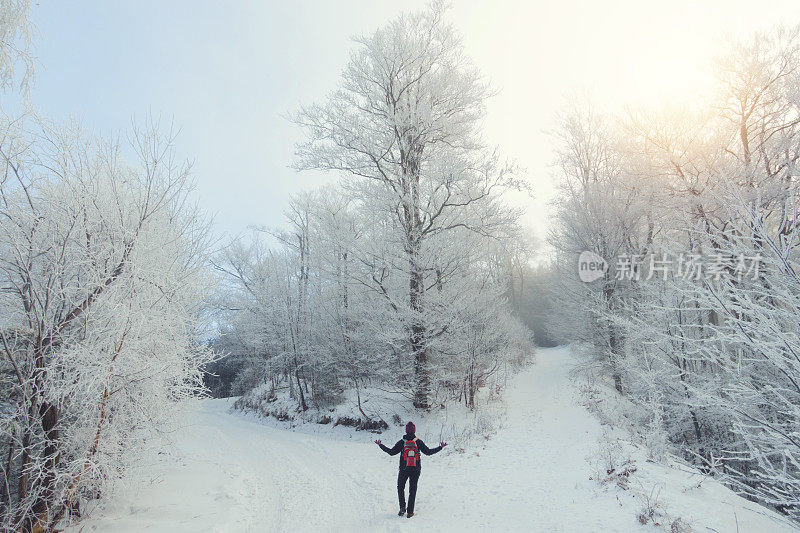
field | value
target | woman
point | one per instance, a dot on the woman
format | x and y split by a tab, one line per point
410	465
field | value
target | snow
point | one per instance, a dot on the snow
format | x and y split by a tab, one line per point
231	472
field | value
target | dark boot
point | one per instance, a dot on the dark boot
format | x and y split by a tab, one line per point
402	512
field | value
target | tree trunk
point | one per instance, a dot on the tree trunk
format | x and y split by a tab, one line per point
695	423
612	340
300	387
418	341
5	497
49	417
471	387
358	398
416	285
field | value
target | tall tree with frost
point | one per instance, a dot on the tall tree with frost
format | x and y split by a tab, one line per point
406	117
603	210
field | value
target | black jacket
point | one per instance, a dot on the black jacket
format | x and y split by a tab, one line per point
397	448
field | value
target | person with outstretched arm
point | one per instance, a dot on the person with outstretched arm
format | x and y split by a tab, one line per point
410	465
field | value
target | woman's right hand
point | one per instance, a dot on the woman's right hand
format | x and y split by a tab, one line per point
378	442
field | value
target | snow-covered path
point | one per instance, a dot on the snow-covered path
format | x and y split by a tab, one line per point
233	473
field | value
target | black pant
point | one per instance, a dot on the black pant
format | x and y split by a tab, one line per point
412	475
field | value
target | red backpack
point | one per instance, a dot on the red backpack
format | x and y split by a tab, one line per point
411	452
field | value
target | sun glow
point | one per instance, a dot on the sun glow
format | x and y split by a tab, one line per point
620	54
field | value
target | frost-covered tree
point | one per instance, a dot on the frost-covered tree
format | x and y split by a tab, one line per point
101	273
604	209
706	348
354	331
405	121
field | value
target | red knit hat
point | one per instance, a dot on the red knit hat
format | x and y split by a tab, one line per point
411	429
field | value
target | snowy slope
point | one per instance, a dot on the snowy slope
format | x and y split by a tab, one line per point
231	473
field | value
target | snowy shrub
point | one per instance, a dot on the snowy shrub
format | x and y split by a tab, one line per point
613	464
651	511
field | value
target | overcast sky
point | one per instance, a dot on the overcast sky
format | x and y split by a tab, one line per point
227	73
